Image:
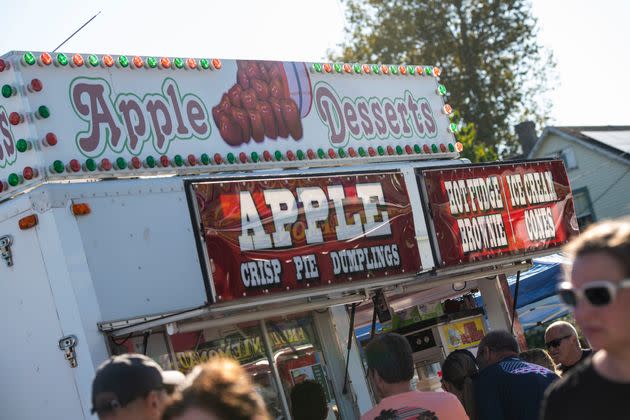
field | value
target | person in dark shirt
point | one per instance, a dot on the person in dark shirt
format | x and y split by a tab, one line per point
564	347
506	387
598	290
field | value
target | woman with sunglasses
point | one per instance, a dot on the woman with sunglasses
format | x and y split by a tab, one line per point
598	291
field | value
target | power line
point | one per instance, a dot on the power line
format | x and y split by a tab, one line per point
75	32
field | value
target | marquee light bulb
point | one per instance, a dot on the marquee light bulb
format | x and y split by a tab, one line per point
123	61
90	165
137	62
58	166
29	58
108	60
93	60
62	60
77	60
45	59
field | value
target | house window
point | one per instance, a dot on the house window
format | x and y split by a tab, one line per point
568	157
583	207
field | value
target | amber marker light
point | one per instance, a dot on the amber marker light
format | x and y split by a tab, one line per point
28	222
81	209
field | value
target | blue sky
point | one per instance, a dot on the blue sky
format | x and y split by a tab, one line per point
588	39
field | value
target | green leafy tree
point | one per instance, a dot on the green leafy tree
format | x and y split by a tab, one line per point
494	68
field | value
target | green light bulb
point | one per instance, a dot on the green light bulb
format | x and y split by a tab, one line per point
410	70
121	163
62	60
90	165
278	155
338	67
321	154
380	150
428	71
123	61
357	68
13	179
93	60
43	111
453	127
7	91
205	159
230	157
399	150
29	58
434	148
417	148
341	152
21	145
442	89
317	67
255	157
361	152
179	160
150	160
376	69
300	154
204	63
58	166
393	69
179	63
152	62
451	148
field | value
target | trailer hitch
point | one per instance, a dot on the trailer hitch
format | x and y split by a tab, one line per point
5	249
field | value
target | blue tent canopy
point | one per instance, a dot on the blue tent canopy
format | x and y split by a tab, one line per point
539	282
537	301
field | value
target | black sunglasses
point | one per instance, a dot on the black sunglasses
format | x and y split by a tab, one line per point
597	293
556	342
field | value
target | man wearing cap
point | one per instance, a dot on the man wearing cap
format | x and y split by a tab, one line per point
130	386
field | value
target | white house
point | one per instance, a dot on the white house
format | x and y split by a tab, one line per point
598	164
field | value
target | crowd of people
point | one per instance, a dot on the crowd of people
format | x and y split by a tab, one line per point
499	382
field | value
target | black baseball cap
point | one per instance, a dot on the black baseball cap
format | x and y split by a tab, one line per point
124	378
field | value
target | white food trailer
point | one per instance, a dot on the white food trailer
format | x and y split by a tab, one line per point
191	207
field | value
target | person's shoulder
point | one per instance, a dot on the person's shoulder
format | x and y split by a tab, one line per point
578	376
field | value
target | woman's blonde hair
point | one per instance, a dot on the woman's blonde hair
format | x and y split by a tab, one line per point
221	387
539	357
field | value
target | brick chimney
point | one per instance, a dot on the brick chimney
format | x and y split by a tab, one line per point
526	132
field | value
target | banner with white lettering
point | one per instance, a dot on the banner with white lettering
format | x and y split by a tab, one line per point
488	211
266	236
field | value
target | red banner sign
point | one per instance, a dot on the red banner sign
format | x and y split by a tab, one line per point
276	235
480	212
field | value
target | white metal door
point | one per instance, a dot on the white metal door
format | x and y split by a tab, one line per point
36	381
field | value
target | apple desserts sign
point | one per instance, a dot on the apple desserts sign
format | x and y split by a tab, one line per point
486	211
266	236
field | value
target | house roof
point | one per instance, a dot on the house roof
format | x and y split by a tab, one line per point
610	139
